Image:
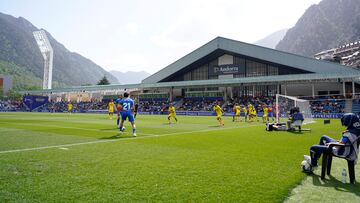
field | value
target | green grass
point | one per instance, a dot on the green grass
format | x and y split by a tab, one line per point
192	161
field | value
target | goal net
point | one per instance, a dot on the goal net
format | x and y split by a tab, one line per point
285	103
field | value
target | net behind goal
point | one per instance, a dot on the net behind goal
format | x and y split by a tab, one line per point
285	103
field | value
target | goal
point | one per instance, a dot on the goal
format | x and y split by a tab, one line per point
285	103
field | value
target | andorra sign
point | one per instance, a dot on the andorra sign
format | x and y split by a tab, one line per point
227	69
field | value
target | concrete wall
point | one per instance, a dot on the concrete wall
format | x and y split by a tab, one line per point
176	93
6	83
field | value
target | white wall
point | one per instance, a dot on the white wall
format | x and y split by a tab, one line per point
226	59
176	92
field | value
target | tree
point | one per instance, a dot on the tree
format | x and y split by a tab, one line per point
103	81
13	95
1	93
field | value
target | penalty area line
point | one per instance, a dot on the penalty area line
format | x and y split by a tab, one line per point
116	140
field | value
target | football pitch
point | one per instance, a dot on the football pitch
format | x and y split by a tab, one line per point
83	157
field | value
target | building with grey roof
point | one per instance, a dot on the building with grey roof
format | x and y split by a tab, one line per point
236	69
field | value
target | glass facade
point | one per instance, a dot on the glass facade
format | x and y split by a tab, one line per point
273	70
256	90
203	94
253	68
200	73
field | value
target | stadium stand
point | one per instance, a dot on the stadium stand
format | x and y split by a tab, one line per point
327	106
12	106
318	105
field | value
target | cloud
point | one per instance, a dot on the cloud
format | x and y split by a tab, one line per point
132	28
200	21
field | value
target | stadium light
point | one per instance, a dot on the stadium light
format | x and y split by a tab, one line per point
48	54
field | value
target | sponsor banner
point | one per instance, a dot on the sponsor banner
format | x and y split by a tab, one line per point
32	102
209	113
192	113
181	113
227	69
95	111
205	113
329	115
320	115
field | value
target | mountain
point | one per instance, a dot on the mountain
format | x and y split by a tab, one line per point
323	26
272	40
19	55
130	77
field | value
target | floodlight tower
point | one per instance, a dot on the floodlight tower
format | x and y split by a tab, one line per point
48	55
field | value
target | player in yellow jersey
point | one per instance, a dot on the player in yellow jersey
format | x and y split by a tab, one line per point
252	114
219	112
70	107
265	116
237	110
172	113
111	107
244	109
250	107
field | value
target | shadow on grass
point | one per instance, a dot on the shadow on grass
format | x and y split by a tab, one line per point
296	132
117	136
110	129
331	181
214	126
169	123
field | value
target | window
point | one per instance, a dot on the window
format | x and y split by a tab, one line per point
212	89
200	73
273	70
213	77
238	60
255	69
241	75
272	90
260	90
241	62
187	76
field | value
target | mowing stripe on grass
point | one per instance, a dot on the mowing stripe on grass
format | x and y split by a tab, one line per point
65	127
57	126
123	139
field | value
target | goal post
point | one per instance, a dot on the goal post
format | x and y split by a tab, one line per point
284	103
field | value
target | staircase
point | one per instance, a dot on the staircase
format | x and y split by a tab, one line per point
178	103
355	106
348	106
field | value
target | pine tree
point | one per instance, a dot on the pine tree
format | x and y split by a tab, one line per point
103	81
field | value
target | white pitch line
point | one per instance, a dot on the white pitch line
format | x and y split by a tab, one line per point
116	140
64	148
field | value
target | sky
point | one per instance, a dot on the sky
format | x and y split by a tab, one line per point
140	35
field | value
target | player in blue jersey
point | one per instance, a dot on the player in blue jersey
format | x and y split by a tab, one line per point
127	109
118	109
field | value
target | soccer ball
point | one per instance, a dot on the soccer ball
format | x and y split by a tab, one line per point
123	129
305	166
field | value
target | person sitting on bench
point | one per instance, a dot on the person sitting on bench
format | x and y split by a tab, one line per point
349	138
